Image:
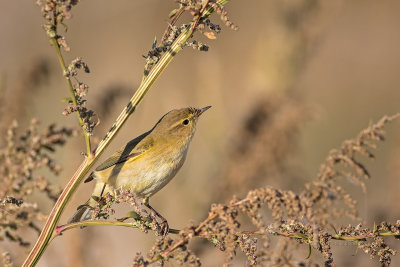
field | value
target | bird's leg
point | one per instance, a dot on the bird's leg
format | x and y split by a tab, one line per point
102	190
99	199
164	224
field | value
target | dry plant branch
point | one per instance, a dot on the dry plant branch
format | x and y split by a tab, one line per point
86	134
135	224
20	157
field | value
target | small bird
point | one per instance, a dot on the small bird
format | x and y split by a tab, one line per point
145	164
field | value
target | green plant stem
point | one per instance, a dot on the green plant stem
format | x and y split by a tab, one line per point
48	229
362	237
86	135
135	224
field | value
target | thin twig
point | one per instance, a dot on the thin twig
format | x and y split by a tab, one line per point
172	23
135	224
86	135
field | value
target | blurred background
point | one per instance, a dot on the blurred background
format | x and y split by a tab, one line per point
297	79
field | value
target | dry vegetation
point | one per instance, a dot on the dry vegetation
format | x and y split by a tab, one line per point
269	226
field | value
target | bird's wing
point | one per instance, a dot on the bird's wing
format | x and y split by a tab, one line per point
134	148
115	159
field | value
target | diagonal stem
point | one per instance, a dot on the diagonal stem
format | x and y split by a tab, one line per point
54	42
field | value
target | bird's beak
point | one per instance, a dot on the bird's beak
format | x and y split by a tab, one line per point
200	111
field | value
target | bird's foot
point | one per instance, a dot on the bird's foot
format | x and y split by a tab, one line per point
164	228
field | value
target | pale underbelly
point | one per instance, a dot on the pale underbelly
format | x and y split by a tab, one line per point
147	182
144	179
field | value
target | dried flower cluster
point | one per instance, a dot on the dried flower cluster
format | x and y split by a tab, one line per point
20	158
196	6
343	163
55	12
197	9
375	246
80	91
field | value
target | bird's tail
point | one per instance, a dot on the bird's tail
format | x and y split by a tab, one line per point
84	212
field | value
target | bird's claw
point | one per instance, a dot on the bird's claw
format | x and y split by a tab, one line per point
164	228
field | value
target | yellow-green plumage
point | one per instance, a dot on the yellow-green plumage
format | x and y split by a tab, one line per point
148	162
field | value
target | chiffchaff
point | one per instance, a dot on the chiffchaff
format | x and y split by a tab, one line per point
147	163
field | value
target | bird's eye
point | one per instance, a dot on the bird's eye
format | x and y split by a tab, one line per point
185	122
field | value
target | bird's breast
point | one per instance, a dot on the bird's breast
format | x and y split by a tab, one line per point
148	173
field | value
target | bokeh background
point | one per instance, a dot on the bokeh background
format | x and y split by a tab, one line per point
297	78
